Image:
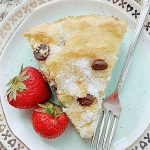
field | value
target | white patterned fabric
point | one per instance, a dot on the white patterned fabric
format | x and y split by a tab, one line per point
6	6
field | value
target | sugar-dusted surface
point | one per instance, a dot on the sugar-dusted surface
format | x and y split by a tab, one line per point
71	80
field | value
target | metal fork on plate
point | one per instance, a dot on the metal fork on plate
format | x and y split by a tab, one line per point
111	106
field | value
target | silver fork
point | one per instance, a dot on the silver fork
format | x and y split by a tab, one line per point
111	106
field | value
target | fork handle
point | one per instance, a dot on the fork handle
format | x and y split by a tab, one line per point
132	47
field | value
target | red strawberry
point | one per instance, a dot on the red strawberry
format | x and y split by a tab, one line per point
28	89
49	121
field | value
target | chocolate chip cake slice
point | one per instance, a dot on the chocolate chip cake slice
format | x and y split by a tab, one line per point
77	55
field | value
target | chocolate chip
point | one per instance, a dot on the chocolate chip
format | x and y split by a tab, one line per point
42	52
99	64
43	46
86	101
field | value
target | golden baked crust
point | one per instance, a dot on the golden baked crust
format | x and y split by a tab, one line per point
75	42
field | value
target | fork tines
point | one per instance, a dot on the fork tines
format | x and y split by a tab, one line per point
104	132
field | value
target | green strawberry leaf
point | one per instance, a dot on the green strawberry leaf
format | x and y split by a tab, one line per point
49	108
8	91
14	94
16	84
20	90
54	99
10	96
25	78
23	73
10	82
43	106
41	111
21	86
21	69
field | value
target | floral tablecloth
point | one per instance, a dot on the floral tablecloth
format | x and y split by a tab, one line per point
143	143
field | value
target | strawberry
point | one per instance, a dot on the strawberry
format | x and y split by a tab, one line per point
49	121
27	89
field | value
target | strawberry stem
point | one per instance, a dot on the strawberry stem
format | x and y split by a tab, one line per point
16	84
49	108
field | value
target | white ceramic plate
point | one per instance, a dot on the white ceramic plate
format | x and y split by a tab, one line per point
134	96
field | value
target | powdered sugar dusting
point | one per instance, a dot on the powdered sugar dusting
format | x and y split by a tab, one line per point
70	78
94	84
71	86
55	49
88	116
84	65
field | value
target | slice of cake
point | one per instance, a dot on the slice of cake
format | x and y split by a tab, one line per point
77	55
